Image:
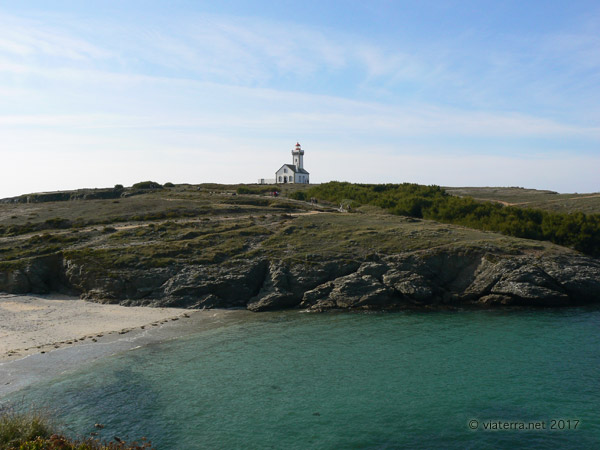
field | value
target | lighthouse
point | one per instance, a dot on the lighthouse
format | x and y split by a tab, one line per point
293	173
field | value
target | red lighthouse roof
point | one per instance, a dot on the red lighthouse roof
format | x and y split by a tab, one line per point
297	150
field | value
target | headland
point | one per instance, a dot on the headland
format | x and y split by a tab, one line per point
332	246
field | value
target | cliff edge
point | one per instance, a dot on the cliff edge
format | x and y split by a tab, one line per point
201	248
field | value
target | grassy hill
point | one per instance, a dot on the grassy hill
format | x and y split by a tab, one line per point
532	198
213	245
212	223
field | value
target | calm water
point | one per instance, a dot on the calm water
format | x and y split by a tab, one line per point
348	380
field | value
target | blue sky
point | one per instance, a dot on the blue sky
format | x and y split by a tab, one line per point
436	92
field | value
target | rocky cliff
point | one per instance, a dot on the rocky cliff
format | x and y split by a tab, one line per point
434	278
209	246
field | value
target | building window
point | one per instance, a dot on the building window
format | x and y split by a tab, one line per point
284	170
280	178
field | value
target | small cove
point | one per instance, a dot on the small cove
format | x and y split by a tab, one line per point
344	380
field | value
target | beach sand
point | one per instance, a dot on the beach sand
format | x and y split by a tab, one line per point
40	324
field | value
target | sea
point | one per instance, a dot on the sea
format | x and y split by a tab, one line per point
465	379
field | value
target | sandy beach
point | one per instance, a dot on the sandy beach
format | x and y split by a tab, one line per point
40	324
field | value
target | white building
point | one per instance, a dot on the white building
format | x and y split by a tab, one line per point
293	173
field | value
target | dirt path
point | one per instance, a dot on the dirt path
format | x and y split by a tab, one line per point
496	201
502	202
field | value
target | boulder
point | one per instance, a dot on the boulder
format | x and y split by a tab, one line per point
410	285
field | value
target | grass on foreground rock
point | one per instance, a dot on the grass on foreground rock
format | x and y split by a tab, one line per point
17	427
34	430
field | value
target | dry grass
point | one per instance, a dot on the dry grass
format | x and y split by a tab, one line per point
33	429
532	198
208	224
17	426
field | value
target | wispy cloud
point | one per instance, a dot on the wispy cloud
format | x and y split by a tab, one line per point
255	52
214	85
214	48
27	38
172	106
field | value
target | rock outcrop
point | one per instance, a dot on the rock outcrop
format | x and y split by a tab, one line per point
41	275
431	279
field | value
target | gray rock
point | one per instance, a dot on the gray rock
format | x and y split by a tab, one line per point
14	281
275	290
483	276
496	300
40	275
232	285
373	269
318	294
579	277
530	285
273	300
411	285
355	290
285	286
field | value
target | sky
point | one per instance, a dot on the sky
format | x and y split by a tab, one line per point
452	93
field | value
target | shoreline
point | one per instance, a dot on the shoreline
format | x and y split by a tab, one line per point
33	324
49	360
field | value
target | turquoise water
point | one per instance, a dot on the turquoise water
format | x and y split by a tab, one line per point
293	380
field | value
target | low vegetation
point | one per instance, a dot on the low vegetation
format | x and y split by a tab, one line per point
168	227
18	427
577	230
147	185
216	224
260	189
34	430
532	198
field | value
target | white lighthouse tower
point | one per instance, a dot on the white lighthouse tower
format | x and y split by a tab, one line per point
298	155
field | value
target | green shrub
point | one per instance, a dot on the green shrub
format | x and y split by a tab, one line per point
261	189
298	195
57	222
168	185
578	230
244	190
147	185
